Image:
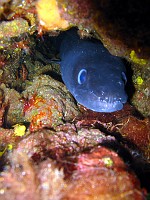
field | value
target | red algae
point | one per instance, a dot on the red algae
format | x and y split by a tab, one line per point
101	174
34	101
138	132
66	140
24	180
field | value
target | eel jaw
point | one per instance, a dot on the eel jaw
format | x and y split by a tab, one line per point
103	106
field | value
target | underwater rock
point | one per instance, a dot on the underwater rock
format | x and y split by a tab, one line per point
40	107
65	145
14	28
66	140
13	106
138	132
111	20
48	103
25	180
126	123
141	97
101	174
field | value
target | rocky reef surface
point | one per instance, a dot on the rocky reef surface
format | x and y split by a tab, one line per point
50	146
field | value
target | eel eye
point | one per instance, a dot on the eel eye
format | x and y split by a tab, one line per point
124	78
82	76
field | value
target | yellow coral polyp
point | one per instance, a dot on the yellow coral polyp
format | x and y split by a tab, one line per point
49	16
2	152
137	60
9	147
108	161
139	80
19	130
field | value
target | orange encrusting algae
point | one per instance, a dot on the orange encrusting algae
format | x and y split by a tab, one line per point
49	16
33	102
41	112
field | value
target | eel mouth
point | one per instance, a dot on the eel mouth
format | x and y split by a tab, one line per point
101	104
104	106
107	101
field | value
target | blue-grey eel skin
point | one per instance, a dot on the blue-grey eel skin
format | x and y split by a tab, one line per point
93	76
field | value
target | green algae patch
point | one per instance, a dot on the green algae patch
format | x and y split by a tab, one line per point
137	60
139	80
13	28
